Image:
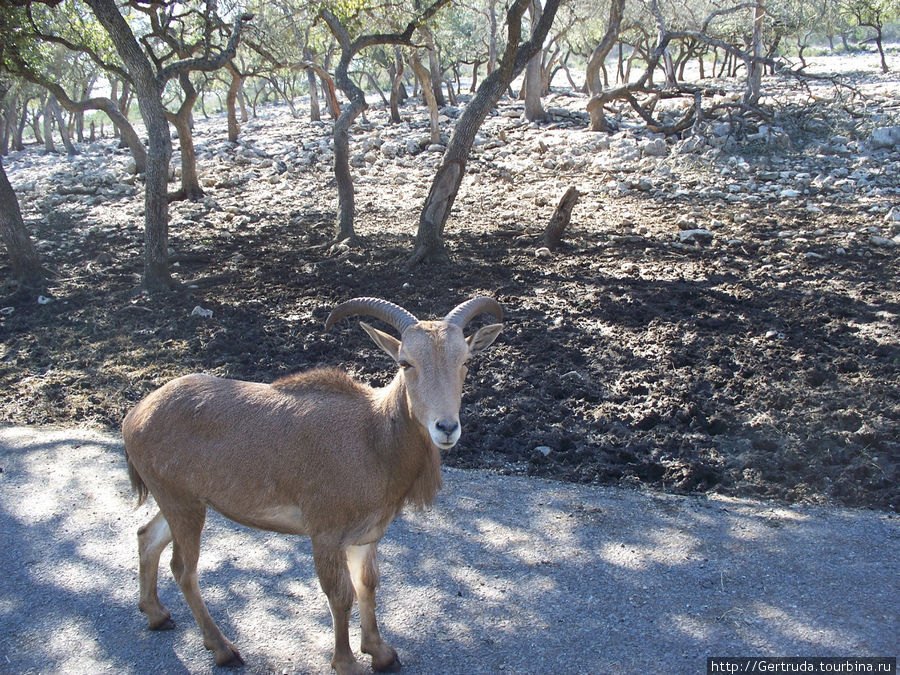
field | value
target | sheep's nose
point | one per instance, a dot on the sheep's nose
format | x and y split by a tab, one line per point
447	426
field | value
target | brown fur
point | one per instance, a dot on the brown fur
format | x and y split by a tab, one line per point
321	379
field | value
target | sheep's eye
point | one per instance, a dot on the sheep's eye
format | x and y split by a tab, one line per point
406	365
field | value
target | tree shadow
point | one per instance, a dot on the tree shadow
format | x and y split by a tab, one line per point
502	574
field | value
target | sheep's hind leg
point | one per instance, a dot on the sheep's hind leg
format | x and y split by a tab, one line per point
186	531
152	540
363	564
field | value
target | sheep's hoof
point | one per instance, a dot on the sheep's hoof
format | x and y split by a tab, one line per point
393	667
229	658
165	624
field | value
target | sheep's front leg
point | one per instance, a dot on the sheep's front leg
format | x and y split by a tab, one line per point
363	563
334	577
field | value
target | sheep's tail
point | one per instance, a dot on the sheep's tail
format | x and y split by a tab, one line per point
137	483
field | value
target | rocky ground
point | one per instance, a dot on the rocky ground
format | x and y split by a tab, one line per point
723	314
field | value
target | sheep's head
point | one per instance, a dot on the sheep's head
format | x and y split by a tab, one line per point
432	356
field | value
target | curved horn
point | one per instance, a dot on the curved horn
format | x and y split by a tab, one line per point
468	310
388	312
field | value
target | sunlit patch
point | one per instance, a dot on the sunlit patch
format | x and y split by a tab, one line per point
692	626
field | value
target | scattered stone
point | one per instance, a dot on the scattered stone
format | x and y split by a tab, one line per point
686	223
544	450
201	312
698	236
885	137
654	148
542	252
44	300
391	149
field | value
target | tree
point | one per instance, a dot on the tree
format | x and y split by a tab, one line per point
445	186
873	14
357	103
23	259
148	85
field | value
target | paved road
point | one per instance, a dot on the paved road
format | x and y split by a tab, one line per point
502	575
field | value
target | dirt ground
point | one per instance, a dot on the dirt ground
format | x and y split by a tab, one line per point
762	360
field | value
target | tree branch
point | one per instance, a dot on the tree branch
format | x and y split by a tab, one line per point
205	64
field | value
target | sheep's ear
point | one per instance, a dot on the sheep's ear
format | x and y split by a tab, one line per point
388	343
483	337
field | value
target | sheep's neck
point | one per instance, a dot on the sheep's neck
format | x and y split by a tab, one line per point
412	459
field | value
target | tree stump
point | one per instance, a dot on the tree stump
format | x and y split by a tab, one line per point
560	220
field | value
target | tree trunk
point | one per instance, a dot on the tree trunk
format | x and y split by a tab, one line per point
534	110
49	145
428	93
451	95
878	43
62	126
328	88
754	74
396	84
234	129
429	243
598	118
598	56
844	42
242	101
156	204
23	258
183	123
36	127
434	66
17	141
493	53
315	113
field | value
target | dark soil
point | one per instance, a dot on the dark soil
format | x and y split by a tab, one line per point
752	370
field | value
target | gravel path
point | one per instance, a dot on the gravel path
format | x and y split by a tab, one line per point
503	574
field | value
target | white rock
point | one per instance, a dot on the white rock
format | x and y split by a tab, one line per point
43	300
201	312
654	148
789	193
542	252
391	149
544	450
885	137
